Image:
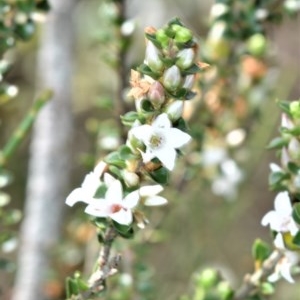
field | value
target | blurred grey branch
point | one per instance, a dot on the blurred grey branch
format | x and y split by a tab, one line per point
50	155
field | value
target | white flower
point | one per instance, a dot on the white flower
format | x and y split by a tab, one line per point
114	205
161	140
281	219
285	264
90	185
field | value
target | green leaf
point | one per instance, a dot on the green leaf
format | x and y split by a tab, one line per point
277	143
144	69
293	168
285	106
296	213
275	178
191	70
100	192
129	118
260	250
114	159
153	39
296	239
126	153
126	231
160	175
147	106
71	287
115	171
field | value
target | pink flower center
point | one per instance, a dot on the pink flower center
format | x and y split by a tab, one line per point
116	208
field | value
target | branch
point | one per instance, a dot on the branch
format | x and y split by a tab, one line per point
251	281
106	267
23	128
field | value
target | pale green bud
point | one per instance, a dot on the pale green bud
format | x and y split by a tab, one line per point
182	34
295	109
156	94
257	44
217	46
162	37
294	148
131	179
152	58
189	81
185	58
172	78
208	278
224	290
174	110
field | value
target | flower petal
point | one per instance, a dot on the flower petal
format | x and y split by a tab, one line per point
177	138
99	168
167	156
114	193
77	195
285	270
142	132
131	200
155	201
162	121
99	210
123	217
90	184
150	190
282	204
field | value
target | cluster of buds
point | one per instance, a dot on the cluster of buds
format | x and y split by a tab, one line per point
284	220
115	190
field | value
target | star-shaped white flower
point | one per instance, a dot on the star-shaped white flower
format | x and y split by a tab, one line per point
90	185
161	140
285	264
113	205
281	219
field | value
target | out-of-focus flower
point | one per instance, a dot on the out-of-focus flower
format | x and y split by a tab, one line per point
285	264
280	219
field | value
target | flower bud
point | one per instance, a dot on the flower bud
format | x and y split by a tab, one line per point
294	148
131	179
156	94
285	157
286	122
257	44
182	34
295	109
174	110
152	58
185	58
218	10
162	37
172	78
189	81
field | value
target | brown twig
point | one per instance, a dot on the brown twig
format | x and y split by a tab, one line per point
252	281
106	267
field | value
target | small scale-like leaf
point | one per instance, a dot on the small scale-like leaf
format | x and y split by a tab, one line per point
296	213
125	152
147	106
114	159
260	250
277	143
293	168
126	231
296	239
191	70
275	178
143	68
153	39
160	175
